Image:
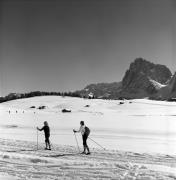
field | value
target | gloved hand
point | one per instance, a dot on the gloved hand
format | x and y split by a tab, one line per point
74	131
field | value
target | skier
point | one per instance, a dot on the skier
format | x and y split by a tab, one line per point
47	134
85	133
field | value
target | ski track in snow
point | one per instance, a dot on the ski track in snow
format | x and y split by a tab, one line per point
21	160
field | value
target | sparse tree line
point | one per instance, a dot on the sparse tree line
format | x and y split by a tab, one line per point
13	96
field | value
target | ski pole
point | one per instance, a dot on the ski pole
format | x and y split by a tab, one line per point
37	139
51	145
77	142
97	143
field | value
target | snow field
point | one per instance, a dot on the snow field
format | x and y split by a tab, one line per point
21	160
139	136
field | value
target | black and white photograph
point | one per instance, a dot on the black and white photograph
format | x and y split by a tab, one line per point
87	89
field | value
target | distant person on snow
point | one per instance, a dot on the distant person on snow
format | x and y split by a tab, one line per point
85	133
47	134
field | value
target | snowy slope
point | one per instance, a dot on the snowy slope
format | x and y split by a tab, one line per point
149	124
139	137
20	160
156	84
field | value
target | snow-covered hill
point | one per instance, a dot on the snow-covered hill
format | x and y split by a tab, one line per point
112	124
135	133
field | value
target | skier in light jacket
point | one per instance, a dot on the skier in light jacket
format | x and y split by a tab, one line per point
83	130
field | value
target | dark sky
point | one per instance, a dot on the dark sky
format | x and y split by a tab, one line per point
62	45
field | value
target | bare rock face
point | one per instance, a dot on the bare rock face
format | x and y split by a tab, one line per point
173	83
142	79
141	75
169	90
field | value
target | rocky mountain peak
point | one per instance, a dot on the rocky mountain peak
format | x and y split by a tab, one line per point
142	79
141	72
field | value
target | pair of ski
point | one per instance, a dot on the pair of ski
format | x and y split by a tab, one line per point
83	153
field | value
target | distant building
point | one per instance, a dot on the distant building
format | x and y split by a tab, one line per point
90	95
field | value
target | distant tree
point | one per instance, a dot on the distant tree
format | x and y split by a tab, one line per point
13	96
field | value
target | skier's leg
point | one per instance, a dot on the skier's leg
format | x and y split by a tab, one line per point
49	144
46	143
83	137
88	152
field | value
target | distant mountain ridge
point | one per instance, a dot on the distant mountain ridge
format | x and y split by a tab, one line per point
142	79
102	90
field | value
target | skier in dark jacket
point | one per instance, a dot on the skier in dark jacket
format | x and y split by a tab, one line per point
46	130
85	135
